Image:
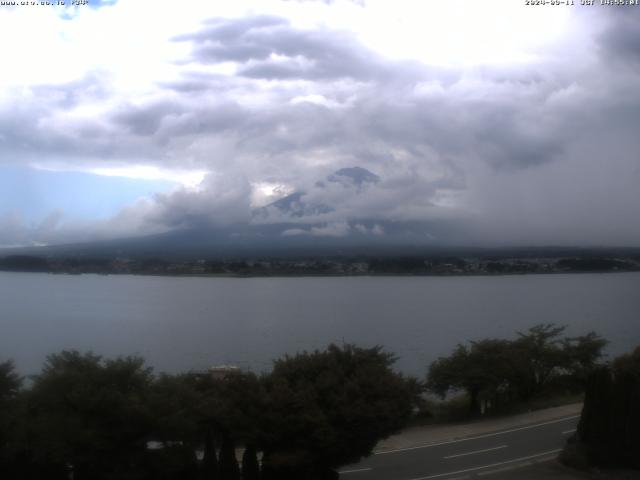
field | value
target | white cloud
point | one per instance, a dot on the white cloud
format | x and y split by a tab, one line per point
463	109
338	229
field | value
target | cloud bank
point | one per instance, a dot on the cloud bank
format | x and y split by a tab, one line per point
542	151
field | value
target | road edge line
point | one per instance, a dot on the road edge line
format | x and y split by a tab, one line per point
485	435
521	459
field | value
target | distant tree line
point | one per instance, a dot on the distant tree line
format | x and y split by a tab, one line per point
496	373
89	418
364	265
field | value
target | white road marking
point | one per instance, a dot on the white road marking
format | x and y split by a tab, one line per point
355	470
486	435
476	451
521	459
566	432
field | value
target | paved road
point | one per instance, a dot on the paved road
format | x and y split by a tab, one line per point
472	457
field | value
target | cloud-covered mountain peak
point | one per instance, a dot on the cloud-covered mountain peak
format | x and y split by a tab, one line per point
353	175
317	201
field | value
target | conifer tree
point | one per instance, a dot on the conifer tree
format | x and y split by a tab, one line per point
250	466
210	460
229	469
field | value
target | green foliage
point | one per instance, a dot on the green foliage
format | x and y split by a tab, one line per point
210	470
94	417
10	382
582	353
482	370
504	371
91	414
610	421
250	465
173	400
329	408
454	408
537	356
229	469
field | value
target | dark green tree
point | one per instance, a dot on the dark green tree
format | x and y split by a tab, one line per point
329	408
10	384
92	414
250	465
483	370
448	374
582	354
238	403
505	371
210	470
228	410
538	356
229	469
200	411
176	425
608	429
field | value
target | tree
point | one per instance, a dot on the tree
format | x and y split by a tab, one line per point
538	355
228	410
445	372
502	371
329	408
10	384
608	429
483	370
173	400
210	470
229	469
582	354
250	465
176	425
92	414
200	410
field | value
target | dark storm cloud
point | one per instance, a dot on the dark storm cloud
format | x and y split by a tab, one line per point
506	144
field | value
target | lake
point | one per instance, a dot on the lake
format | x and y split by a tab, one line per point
183	323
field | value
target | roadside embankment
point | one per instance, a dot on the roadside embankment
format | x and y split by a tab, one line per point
425	435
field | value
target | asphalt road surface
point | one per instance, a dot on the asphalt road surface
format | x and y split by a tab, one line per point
472	457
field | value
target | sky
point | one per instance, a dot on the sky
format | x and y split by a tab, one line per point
482	123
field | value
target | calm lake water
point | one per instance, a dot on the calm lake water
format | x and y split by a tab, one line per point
179	324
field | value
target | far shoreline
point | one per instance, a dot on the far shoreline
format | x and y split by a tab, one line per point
321	275
440	265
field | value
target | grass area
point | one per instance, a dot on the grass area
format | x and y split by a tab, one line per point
549	401
456	409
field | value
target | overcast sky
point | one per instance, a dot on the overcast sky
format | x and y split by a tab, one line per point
508	123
